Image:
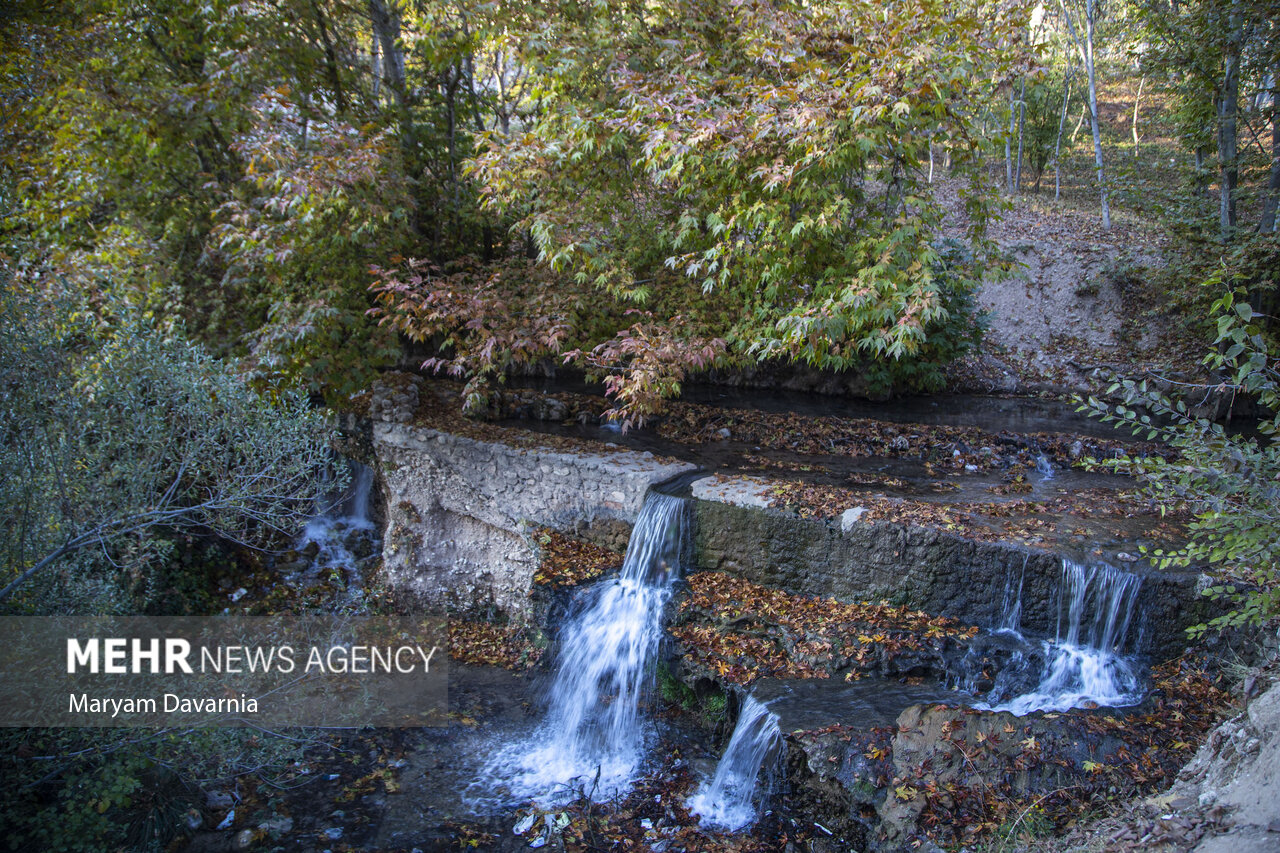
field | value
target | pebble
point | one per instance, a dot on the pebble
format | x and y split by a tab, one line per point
333	833
279	825
219	800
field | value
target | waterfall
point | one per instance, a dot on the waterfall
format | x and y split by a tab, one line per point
355	504
593	738
726	800
1011	605
1044	467
1084	665
341	533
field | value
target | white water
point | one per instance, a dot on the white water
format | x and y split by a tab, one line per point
1044	467
1011	606
1085	664
593	739
332	529
726	801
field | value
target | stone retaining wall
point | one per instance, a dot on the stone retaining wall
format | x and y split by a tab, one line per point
925	569
460	511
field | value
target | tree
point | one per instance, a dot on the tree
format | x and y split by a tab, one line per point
1082	25
223	163
117	439
755	170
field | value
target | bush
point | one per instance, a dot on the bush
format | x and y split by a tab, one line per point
117	439
1230	482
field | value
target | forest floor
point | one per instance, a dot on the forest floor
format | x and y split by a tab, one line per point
1078	306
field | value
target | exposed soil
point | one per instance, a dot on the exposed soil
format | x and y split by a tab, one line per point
1077	307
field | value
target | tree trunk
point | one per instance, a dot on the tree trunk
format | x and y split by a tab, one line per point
1090	13
330	60
1268	223
1022	116
1057	143
1136	101
1008	146
1228	165
385	18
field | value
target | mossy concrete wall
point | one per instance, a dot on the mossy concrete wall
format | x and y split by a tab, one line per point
925	569
460	511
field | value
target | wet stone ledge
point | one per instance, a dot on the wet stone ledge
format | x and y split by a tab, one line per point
460	511
927	569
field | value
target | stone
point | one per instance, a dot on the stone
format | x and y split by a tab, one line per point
458	535
278	825
850	517
219	800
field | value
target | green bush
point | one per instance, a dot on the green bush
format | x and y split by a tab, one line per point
1229	482
117	439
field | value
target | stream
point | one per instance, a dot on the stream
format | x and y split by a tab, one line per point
590	726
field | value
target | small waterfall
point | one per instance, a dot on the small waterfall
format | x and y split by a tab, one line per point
1084	665
1011	605
725	801
342	533
593	738
1044	467
355	504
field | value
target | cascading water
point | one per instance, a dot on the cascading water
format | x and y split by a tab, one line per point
1044	467
1084	666
726	801
1011	606
593	739
343	532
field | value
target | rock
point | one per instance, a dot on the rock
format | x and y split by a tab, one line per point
723	433
1126	557
219	800
277	825
238	594
549	409
333	833
1076	450
850	517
